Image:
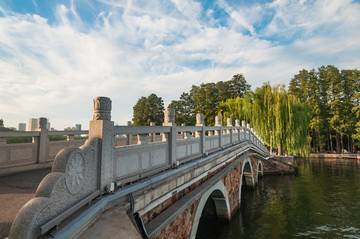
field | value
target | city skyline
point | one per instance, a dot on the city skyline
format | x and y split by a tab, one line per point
56	56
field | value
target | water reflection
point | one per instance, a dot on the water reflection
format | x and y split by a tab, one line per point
322	201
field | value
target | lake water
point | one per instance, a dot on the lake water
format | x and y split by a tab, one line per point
321	201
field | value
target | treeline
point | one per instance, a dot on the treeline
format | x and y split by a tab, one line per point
318	112
204	98
334	98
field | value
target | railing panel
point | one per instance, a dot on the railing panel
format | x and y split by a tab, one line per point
226	139
211	143
17	154
188	148
55	146
137	159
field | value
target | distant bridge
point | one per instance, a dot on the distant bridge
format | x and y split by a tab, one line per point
159	187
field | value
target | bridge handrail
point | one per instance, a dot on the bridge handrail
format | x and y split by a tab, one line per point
119	130
9	134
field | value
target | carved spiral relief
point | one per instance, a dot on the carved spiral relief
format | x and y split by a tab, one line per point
102	108
75	172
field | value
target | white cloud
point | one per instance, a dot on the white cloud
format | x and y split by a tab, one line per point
134	48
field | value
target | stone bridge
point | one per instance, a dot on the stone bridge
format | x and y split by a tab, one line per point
160	187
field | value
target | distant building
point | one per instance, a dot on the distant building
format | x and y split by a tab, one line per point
22	127
69	129
78	127
33	124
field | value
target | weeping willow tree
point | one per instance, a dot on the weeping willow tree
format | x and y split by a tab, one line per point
278	117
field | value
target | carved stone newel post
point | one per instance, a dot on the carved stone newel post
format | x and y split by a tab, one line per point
103	128
43	139
169	120
219	131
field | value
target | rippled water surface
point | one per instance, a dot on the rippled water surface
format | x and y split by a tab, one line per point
322	201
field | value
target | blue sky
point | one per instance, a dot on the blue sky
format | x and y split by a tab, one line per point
56	56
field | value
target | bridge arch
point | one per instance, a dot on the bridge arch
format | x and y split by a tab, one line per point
260	171
247	173
218	193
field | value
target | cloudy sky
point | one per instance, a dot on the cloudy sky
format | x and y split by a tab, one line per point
56	56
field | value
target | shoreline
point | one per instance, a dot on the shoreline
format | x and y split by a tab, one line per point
339	156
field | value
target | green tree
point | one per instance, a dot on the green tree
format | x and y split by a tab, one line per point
184	109
148	109
279	118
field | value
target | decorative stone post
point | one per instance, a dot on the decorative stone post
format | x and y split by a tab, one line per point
229	131
182	132
218	121
169	120
248	131
219	131
200	121
103	128
152	135
237	130
128	136
42	140
242	130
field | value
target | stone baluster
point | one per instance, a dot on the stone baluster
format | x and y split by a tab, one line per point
237	130
230	131
252	135
200	121
248	131
128	136
152	135
218	131
182	132
169	120
103	128
42	140
242	131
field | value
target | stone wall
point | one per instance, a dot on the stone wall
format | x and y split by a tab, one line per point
279	165
181	226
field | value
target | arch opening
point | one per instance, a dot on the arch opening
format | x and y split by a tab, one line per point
213	214
247	175
260	169
213	209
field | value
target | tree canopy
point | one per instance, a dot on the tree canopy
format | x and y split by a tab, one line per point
148	109
278	117
205	99
333	97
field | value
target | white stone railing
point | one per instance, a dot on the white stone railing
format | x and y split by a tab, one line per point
158	148
40	152
132	162
117	155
